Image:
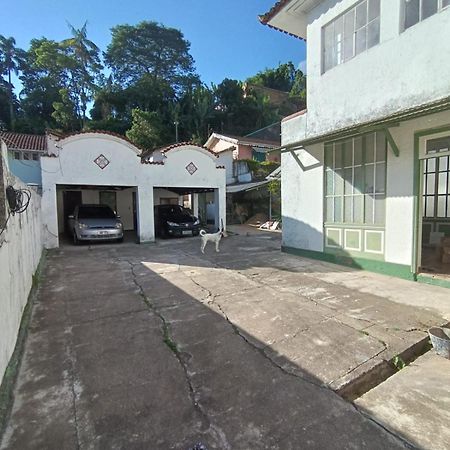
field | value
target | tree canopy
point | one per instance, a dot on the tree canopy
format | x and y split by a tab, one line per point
149	48
148	91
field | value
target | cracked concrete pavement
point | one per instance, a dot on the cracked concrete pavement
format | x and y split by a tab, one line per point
162	347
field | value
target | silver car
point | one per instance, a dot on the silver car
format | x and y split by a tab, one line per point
95	223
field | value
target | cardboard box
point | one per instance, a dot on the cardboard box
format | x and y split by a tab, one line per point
446	258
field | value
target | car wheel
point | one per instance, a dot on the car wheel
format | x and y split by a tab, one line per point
195	233
164	233
75	238
120	239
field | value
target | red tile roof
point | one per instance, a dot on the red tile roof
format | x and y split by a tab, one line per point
181	144
22	141
110	133
268	16
264	18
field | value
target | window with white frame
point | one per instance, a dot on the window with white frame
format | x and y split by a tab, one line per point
414	11
355	179
21	155
351	33
436	181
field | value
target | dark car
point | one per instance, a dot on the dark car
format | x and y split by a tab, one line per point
174	220
95	223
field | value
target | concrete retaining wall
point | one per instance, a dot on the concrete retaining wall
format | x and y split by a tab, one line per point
21	246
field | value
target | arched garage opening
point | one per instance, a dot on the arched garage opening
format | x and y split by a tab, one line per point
200	202
121	199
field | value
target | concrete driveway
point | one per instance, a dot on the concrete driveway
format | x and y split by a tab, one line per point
160	347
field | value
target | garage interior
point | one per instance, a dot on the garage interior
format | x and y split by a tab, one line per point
202	202
121	199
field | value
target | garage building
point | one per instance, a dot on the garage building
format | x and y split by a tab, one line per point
103	167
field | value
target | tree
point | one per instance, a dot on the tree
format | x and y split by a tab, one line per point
281	78
84	67
239	113
146	129
11	58
149	48
42	76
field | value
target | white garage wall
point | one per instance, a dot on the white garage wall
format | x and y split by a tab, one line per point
73	163
124	201
164	193
90	196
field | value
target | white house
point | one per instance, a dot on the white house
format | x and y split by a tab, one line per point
366	167
102	167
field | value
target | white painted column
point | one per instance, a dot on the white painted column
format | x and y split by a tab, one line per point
220	207
194	205
223	205
145	214
50	216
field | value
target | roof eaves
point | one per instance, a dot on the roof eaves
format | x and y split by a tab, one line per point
268	16
391	120
61	137
181	144
276	8
293	116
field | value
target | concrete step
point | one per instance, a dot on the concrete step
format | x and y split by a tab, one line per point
414	403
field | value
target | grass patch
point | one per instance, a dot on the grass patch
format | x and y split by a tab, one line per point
168	340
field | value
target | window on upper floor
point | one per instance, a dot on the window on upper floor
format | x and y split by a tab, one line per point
351	33
415	11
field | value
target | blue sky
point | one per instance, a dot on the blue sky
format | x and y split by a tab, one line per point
227	40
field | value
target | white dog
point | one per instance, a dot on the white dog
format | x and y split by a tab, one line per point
213	237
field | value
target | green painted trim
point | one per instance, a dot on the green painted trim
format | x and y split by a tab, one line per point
428	279
360	226
297	160
391	141
10	376
382	267
345	253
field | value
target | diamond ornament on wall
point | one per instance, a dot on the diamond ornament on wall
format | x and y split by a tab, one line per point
102	161
191	168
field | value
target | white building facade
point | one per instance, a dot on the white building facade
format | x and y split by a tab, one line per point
366	167
99	167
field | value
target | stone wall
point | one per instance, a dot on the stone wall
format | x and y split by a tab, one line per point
21	246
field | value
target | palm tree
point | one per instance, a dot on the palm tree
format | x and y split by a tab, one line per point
11	59
87	66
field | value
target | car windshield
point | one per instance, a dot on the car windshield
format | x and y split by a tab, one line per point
95	212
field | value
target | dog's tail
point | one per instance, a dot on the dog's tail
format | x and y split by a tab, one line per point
202	232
